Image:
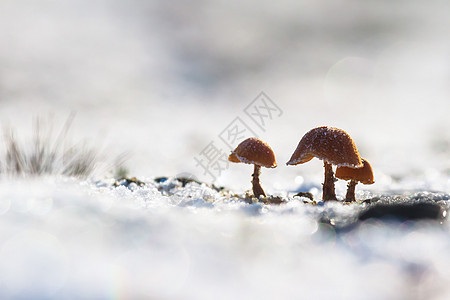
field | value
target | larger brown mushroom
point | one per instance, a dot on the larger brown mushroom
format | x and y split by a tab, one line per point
332	145
258	153
363	175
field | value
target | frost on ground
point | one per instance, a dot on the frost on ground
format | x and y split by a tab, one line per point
166	239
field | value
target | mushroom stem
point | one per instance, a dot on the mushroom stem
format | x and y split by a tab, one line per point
257	189
350	196
328	184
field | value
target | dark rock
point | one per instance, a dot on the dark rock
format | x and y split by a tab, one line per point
305	194
272	200
371	200
186	180
127	181
404	212
218	188
160	179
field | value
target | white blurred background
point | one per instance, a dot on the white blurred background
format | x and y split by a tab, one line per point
161	80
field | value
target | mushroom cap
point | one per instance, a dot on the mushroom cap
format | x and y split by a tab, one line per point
363	175
328	144
254	151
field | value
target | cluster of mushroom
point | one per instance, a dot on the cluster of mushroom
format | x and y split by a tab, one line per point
332	145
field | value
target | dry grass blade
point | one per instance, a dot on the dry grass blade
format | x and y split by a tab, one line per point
14	157
79	161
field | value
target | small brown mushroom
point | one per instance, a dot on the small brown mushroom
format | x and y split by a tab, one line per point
332	145
256	152
363	175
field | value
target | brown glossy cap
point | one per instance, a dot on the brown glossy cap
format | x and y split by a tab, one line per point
363	175
254	151
328	144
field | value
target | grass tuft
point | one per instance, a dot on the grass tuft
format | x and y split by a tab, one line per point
47	153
